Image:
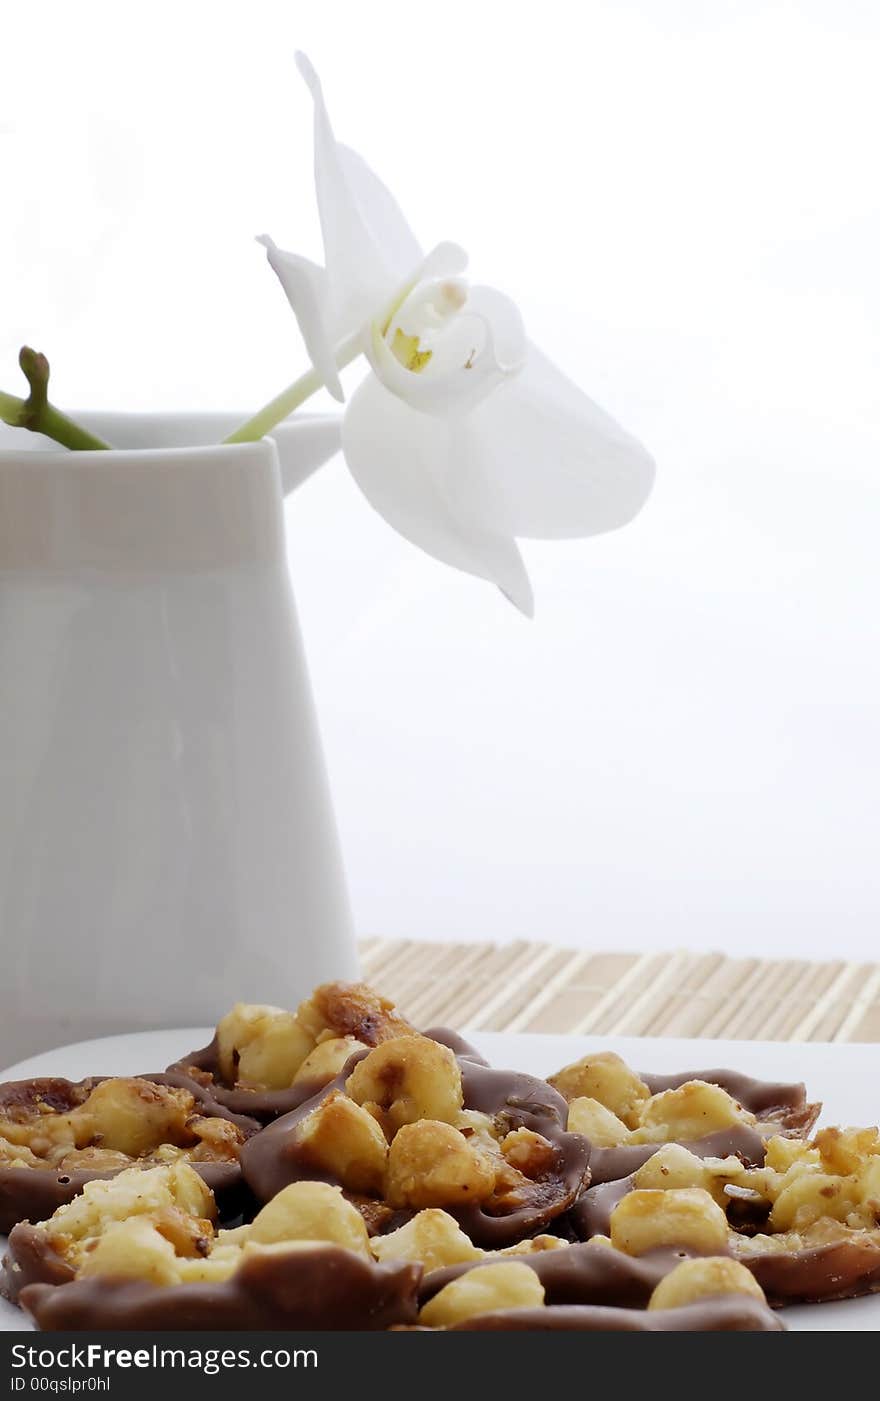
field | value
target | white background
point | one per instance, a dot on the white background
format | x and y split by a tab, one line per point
682	748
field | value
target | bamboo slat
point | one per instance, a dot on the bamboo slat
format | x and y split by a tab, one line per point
536	986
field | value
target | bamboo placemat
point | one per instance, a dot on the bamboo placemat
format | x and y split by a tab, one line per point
540	987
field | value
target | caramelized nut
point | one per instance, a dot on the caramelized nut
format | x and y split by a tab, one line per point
342	1139
432	1237
529	1153
133	1249
218	1140
324	1063
270	1049
136	1116
844	1151
431	1164
691	1111
704	1278
135	1192
595	1122
352	1009
806	1197
407	1079
484	1289
674	1166
261	1046
606	1078
534	1245
312	1211
647	1219
782	1153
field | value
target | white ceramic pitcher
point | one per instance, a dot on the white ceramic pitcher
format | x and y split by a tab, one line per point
167	842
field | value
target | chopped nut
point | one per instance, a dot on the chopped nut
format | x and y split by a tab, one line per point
17	1155
217	1265
833	1179
432	1237
704	1278
529	1153
691	1111
484	1289
133	1249
136	1192
407	1079
121	1115
327	1059
781	1153
352	1009
595	1122
807	1196
188	1234
431	1164
218	1140
312	1211
270	1049
478	1128
533	1246
675	1166
134	1116
342	1139
261	1046
844	1151
110	1125
647	1219
608	1079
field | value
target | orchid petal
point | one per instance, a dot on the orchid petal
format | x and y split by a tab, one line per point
400	460
369	247
505	324
381	213
444	260
472	352
305	285
538	459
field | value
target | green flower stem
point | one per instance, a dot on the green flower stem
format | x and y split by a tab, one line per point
55	424
284	404
38	415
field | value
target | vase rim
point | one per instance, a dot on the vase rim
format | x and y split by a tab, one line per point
302	444
131	510
117	457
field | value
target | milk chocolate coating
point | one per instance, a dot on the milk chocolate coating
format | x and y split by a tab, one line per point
780	1109
462	1048
610	1164
33	1194
515	1101
202	1068
268	1105
591	1213
324	1288
351	1009
579	1274
842	1270
728	1313
30	1259
274	1158
761	1097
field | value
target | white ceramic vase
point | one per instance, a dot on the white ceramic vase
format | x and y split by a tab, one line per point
167	842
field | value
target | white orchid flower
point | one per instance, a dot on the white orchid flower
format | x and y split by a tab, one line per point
464	436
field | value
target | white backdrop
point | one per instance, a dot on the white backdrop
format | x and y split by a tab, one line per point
682	749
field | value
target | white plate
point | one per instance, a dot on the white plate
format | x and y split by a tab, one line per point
844	1077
